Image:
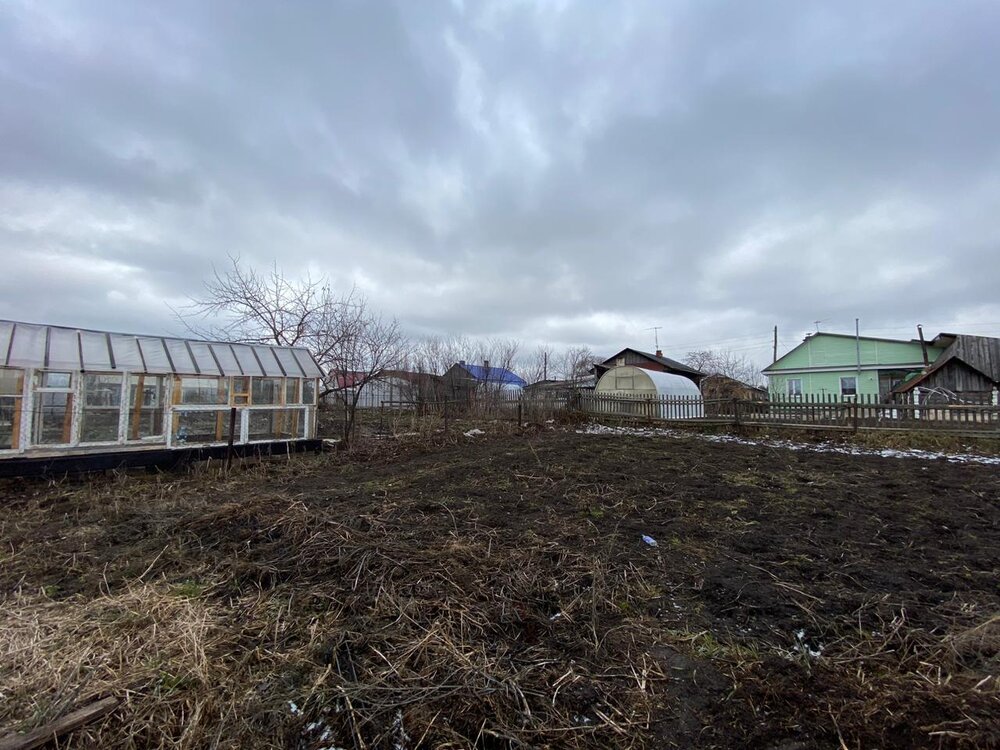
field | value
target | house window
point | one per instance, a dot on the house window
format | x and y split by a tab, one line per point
620	361
795	386
102	400
849	386
11	382
53	409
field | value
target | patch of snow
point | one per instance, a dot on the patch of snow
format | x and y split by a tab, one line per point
847	450
314	727
401	736
473	432
804	648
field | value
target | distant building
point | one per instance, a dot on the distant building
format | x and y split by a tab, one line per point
655	362
720	386
968	369
462	380
390	388
585	383
842	365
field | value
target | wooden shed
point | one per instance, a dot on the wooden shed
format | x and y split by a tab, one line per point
75	399
967	370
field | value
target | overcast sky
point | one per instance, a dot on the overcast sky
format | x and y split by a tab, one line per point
568	172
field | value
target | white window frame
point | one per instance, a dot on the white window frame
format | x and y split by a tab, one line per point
124	427
81	390
75	381
848	395
796	392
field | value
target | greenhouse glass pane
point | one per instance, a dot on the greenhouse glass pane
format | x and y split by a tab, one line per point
102	395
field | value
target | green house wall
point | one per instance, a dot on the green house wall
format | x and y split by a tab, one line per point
822	360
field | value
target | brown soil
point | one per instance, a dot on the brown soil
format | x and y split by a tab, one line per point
496	592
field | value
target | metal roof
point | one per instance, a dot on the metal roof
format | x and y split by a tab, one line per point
673	364
30	345
494	375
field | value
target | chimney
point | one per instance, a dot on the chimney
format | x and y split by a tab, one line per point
461	361
486	365
659	353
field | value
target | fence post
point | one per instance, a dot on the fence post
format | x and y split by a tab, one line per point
446	416
854	417
519	412
232	436
736	412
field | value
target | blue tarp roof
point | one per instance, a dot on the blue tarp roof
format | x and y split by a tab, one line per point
496	375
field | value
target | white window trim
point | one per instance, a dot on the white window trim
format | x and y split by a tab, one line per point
849	377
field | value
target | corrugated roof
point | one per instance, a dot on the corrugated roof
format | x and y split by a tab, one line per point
494	375
30	345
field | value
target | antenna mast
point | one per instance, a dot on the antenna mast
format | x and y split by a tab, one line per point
656	336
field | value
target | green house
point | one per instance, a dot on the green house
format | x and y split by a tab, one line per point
838	365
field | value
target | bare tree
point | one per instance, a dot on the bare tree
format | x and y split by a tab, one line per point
541	364
358	348
353	344
435	354
737	367
244	304
576	362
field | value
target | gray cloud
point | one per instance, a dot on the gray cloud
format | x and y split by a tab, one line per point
570	172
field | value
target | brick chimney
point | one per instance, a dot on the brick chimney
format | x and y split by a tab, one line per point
659	353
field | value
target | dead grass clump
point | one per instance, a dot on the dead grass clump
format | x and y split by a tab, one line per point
147	644
977	646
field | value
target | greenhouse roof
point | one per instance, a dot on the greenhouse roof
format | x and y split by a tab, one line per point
30	345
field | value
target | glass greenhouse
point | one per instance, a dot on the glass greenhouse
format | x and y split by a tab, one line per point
68	391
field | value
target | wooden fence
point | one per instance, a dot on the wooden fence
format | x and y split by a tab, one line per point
862	412
819	412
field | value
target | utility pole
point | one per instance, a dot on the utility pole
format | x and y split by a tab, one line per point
775	352
857	344
545	365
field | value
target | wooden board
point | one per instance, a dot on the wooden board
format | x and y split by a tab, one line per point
62	725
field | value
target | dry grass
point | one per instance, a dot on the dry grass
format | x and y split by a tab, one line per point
377	640
444	591
147	644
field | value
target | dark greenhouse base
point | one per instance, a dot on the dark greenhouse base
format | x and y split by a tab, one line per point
160	458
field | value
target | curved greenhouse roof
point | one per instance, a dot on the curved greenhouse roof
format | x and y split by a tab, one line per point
631	379
30	345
